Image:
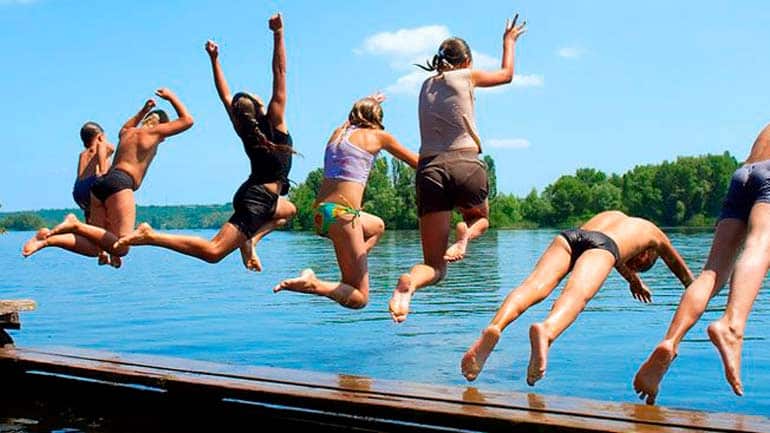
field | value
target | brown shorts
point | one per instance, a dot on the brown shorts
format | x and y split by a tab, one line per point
450	180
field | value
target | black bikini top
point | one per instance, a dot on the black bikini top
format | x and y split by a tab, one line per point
269	165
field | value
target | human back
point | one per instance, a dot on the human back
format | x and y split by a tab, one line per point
631	234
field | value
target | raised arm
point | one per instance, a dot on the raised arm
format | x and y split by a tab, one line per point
181	124
136	118
505	73
223	90
277	106
398	150
674	261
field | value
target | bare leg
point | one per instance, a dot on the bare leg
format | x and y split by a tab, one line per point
475	223
70	242
374	227
223	243
549	270
750	270
728	238
284	211
350	248
434	232
588	275
121	216
99	219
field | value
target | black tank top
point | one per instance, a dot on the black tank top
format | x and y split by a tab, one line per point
269	166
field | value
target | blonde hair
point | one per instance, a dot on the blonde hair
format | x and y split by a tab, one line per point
366	113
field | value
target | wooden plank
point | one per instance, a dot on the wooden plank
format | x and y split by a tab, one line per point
363	395
460	395
13	306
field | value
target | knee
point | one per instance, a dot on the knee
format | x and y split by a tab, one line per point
356	302
291	210
213	255
378	227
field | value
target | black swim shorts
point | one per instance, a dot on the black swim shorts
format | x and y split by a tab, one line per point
115	180
750	184
582	240
254	205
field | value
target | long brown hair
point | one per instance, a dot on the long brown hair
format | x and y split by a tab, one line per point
246	116
452	53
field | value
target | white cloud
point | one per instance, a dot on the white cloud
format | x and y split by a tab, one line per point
570	52
405	43
408	84
508	143
524	80
405	47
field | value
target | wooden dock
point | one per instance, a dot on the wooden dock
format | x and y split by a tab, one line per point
181	395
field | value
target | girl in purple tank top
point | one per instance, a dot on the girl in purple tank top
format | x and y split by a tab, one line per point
350	154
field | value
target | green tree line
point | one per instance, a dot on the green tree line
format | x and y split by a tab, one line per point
685	192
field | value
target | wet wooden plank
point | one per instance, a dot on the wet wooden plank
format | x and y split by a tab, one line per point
16	305
360	395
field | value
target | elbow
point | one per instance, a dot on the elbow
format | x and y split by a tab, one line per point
507	77
188	121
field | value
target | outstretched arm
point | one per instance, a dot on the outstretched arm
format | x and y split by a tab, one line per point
277	106
674	261
505	73
223	90
399	151
181	124
639	290
136	118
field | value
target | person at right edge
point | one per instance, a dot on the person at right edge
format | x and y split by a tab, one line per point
744	222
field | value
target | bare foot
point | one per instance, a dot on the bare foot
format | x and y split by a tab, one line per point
538	357
399	302
35	243
116	261
456	252
476	356
647	379
252	262
140	236
69	225
103	258
305	283
729	343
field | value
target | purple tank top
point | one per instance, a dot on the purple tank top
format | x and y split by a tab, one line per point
346	161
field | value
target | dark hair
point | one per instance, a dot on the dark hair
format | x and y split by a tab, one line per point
246	119
366	113
89	131
162	116
452	53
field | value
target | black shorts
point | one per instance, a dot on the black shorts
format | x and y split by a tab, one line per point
750	184
115	180
254	205
456	179
81	193
580	241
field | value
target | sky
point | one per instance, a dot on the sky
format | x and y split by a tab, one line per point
605	84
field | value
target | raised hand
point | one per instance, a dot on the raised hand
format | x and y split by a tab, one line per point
275	22
165	93
512	31
149	105
212	48
378	96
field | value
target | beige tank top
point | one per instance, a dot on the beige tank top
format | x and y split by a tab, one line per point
446	113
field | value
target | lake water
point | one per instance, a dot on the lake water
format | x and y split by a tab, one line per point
163	303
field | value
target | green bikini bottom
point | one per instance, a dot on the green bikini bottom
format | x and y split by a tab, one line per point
327	213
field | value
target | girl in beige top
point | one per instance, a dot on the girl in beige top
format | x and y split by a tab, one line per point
449	174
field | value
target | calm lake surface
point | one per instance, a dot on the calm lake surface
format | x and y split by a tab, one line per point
163	303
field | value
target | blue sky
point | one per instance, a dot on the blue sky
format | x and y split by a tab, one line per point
606	84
